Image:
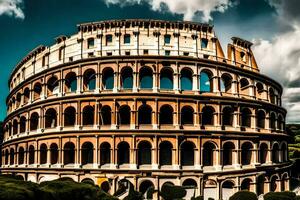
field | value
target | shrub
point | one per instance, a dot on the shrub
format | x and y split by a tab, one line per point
170	192
197	198
280	196
243	195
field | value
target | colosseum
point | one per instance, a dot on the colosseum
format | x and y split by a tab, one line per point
151	102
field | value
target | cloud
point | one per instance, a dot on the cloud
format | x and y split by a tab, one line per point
190	9
12	8
279	57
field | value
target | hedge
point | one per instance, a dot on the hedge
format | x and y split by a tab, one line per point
243	195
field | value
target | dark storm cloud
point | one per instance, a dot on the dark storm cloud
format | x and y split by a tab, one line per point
287	9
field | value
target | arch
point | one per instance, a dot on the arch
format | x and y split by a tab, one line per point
144	153
31	152
190	183
227	189
272	121
244	83
34	121
209	149
284	152
43	153
51	118
260	185
187	115
246	184
18	100
260	119
227	116
273	183
105	153
21	156
226	82
259	87
105	115
246	117
208	115
206	81
165	153
272	96
145	114
69	153
280	123
187	153
88	114
124	115
123	153
105	186
88	181
145	185
15	127
146	78
166	114
89	80
53	154
166	78
263	153
26	94
69	116
246	153
23	122
37	90
284	182
186	79
52	86
228	149
71	82
127	78
6	156
275	153
12	156
87	153
108	78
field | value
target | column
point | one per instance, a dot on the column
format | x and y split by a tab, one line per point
155	154
78	151
96	154
176	152
133	157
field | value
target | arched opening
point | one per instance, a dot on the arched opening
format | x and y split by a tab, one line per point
280	123
105	186
21	156
273	184
12	156
89	80
165	153
51	118
23	124
187	115
71	82
272	96
189	183
37	90
105	115
209	149
31	152
145	114
226	81
87	153
18	100
244	83
186	79
246	184
260	119
263	153
228	149
69	116
144	153
105	153
26	95
166	78
108	78
206	81
284	152
123	153
208	115
210	189
284	182
227	190
34	121
15	127
187	153
145	185
69	153
166	115
259	87
88	181
247	153
43	154
260	185
127	78
124	115
146	78
275	153
272	121
227	116
6	156
246	117
88	114
53	153
52	86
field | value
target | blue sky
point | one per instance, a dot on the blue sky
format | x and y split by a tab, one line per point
273	26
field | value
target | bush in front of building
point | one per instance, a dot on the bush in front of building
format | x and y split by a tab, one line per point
197	198
280	196
243	195
171	192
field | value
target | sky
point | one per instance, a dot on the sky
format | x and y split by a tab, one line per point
272	25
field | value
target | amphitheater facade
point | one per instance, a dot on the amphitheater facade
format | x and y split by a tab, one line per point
151	102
